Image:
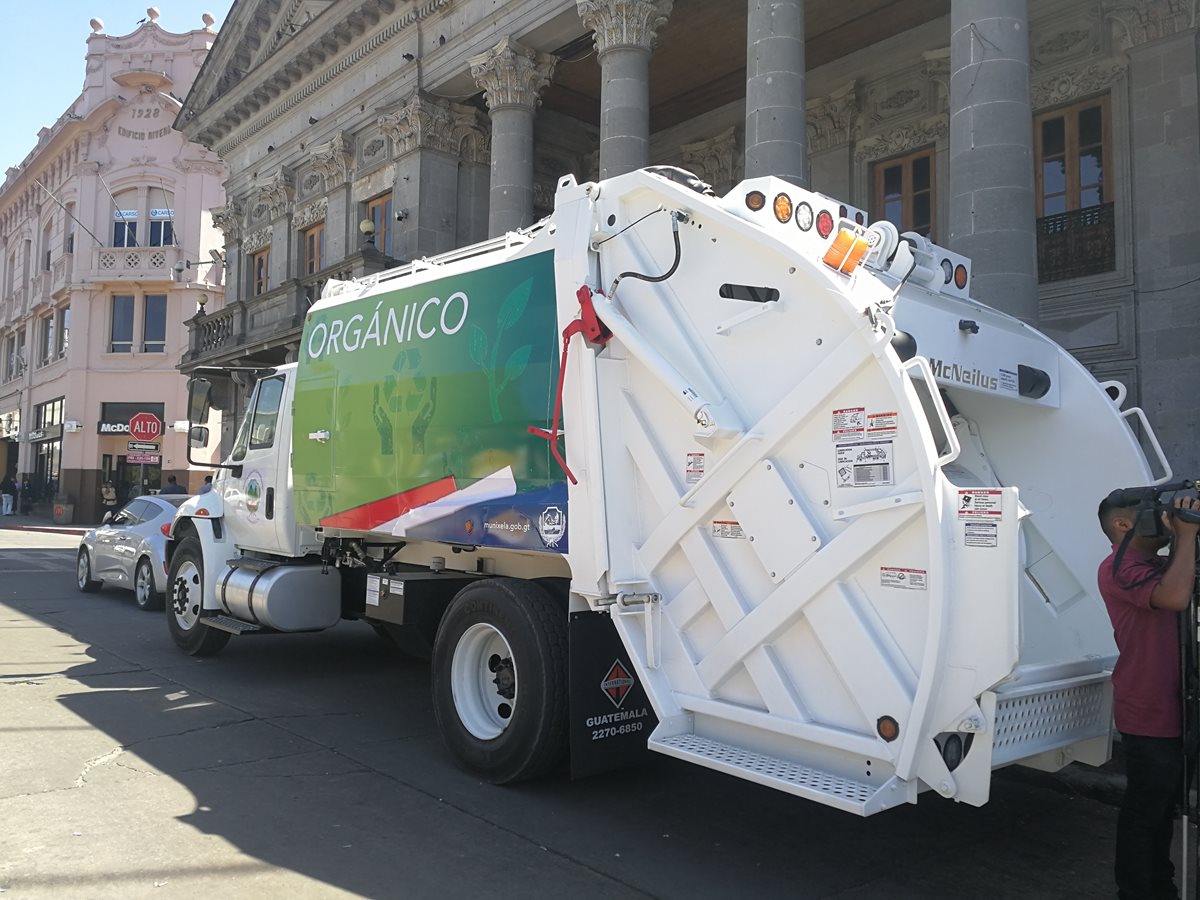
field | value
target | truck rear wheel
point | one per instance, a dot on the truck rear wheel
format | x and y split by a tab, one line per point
500	680
185	601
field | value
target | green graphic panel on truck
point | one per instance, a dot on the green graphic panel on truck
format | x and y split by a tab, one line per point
428	393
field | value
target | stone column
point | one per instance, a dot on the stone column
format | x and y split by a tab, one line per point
624	31
991	152
511	75
776	130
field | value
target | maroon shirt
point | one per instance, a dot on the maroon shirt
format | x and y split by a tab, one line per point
1146	692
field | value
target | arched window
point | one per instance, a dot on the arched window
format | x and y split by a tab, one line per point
125	219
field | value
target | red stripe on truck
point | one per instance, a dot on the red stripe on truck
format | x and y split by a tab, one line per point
370	515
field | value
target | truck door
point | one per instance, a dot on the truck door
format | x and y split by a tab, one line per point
251	496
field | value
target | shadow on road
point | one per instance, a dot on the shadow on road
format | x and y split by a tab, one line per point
317	754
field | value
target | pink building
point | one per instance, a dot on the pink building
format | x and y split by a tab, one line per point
106	240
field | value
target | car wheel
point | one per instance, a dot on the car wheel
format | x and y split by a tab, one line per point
500	679
185	587
83	573
144	591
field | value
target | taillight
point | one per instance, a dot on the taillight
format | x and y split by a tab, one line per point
165	528
824	223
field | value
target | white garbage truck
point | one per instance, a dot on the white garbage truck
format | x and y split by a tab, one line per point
743	480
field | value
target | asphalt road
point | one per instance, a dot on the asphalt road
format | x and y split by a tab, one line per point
309	766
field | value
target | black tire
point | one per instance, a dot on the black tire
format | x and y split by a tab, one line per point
534	626
185	595
83	573
558	588
152	599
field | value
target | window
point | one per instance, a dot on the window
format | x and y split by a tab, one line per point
47	340
379	211
258	427
121	334
125	230
63	331
162	233
260	271
1076	222
313	248
49	414
46	246
11	274
154	323
14	355
69	229
904	192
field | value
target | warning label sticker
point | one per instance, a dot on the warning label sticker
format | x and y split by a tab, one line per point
849	424
980	504
727	529
1008	380
905	579
866	464
882	425
981	534
695	468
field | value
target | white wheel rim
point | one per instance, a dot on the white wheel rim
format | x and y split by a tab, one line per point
483	681
142	583
185	595
83	570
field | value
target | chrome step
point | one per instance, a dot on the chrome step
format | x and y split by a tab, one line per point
824	787
233	626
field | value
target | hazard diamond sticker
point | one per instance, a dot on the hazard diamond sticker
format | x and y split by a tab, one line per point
617	683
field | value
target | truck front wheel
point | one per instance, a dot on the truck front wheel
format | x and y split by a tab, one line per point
185	601
500	679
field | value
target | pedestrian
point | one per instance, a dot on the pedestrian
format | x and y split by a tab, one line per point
207	486
26	496
173	487
1144	594
8	490
108	496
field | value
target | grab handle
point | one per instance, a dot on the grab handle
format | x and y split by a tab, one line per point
935	396
1153	439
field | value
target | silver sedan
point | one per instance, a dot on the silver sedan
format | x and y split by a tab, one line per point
129	549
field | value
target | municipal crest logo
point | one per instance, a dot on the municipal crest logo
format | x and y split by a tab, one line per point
552	525
617	683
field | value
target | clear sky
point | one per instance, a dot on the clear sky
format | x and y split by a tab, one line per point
42	56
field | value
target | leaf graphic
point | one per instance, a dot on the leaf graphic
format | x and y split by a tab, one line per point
514	305
414	357
420	383
412	402
394	404
479	345
398	363
389	385
516	364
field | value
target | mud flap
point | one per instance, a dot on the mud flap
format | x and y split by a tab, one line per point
611	717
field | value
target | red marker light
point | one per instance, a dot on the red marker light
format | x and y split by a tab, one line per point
824	223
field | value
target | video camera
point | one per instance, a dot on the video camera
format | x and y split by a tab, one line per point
1150	502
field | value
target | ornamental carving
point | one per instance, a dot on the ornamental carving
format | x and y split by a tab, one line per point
1074	83
1139	21
423	122
713	160
902	140
899	99
311	182
936	68
624	23
512	74
333	159
1062	43
373	148
311	214
256	240
831	119
229	219
274	193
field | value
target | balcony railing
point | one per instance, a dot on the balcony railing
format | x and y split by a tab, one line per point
1077	243
117	262
215	333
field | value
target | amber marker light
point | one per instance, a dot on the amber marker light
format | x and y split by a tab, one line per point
960	276
783	208
846	251
756	200
824	223
888	728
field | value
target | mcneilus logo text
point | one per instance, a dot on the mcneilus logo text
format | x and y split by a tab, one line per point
963	375
390	326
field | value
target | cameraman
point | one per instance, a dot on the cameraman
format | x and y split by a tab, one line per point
1144	597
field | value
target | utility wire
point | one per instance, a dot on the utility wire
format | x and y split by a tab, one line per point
120	213
69	213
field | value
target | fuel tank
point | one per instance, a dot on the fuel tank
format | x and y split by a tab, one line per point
285	598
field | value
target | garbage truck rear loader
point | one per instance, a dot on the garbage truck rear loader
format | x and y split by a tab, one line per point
740	480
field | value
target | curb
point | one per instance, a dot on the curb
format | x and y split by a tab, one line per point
46	529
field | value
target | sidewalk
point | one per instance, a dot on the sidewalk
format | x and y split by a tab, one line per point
41	519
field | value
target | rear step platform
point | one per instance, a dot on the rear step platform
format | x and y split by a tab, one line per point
825	787
234	626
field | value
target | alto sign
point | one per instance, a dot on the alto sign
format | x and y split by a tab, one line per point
145	427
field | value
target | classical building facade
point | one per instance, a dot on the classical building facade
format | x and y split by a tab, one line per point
1053	141
105	232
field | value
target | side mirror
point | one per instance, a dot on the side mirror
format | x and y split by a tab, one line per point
199	390
198	436
108	517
